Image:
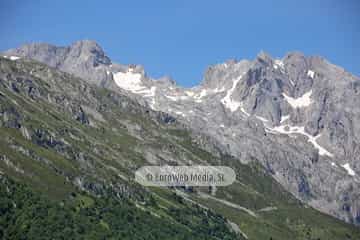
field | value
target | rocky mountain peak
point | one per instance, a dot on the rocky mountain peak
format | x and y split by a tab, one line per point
222	75
42	52
294	56
166	80
87	44
85	58
264	58
86	50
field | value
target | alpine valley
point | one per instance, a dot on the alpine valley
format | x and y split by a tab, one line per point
75	126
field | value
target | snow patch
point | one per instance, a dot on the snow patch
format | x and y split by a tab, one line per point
152	104
171	98
291	81
278	64
244	111
322	151
349	170
198	97
129	81
176	98
180	113
262	119
287	129
148	92
189	93
216	90
12	58
311	74
183	97
228	102
202	94
284	118
302	101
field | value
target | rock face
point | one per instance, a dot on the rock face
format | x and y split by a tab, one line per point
298	116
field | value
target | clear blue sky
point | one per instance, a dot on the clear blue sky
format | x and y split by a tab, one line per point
181	37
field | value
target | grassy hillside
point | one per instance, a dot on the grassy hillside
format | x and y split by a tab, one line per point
29	215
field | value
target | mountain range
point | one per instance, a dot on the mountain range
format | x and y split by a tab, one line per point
290	128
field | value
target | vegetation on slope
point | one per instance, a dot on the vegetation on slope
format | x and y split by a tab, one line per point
29	215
